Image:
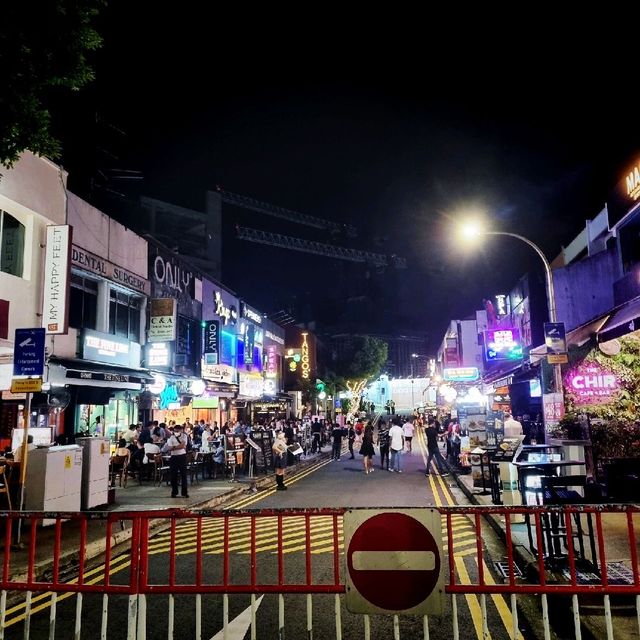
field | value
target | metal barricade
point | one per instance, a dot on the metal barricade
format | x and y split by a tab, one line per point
233	553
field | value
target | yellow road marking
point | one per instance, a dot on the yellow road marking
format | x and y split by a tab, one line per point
503	610
472	600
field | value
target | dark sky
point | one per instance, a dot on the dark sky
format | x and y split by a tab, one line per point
393	123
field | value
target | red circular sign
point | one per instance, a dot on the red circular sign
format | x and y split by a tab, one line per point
394	589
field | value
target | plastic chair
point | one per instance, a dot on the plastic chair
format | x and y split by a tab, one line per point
4	484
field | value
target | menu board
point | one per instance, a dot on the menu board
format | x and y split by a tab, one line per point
495	427
234	449
264	453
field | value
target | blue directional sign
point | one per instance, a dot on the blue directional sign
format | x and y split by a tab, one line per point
28	352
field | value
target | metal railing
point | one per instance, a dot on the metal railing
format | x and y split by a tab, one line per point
243	552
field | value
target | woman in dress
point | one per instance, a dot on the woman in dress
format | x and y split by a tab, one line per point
279	451
366	448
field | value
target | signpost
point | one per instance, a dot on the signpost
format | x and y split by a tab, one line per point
393	561
28	360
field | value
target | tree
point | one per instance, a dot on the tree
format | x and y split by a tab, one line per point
43	48
361	361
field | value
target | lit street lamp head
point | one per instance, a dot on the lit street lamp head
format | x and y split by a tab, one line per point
471	230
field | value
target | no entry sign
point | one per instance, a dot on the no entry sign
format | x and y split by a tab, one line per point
393	561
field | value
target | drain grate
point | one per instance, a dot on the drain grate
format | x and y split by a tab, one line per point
503	569
617	574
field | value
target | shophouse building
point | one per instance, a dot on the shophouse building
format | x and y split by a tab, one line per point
32	197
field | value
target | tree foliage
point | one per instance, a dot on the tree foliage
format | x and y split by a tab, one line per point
43	48
363	358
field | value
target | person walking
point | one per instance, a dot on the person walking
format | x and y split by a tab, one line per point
383	443
396	444
431	432
407	432
351	437
366	448
279	453
316	432
336	434
177	448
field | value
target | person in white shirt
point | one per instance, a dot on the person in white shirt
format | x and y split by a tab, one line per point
396	444
177	448
512	428
407	432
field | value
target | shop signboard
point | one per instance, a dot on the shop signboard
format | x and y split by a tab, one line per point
158	355
28	352
592	384
555	337
495	427
502	344
251	385
553	406
250	314
88	261
162	320
625	196
109	349
211	347
57	264
461	374
218	372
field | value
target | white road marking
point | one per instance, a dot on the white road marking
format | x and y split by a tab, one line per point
239	626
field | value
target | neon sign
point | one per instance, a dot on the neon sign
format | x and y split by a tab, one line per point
461	374
228	314
502	344
591	384
305	356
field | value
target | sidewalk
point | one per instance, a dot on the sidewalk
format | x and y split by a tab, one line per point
205	494
615	537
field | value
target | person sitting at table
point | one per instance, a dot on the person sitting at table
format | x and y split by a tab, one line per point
150	450
121	449
157	435
17	452
218	457
130	435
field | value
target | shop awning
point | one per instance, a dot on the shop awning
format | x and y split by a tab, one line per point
626	319
86	373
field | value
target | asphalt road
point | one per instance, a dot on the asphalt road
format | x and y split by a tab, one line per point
328	484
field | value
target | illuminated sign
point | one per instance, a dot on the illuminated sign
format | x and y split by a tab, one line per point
632	182
502	305
305	356
274	337
228	314
211	347
158	354
254	316
592	384
272	362
169	396
173	276
218	372
461	374
502	344
101	347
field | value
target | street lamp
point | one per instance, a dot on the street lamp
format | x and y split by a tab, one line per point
413	355
472	230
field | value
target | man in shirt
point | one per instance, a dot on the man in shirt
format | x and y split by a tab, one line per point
17	452
177	448
396	443
431	432
512	428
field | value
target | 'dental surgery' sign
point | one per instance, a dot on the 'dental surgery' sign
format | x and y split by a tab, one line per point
592	384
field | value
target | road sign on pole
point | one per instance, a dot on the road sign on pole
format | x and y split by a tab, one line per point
28	352
394	561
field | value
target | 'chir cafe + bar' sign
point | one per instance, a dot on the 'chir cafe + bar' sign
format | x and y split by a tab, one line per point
592	384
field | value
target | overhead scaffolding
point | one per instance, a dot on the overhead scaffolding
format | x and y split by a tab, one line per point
318	248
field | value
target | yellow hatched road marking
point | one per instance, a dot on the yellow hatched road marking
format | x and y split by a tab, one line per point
503	610
472	600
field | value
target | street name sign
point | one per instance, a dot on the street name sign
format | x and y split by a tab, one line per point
28	352
394	562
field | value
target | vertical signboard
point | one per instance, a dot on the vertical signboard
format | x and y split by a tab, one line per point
211	347
56	279
162	320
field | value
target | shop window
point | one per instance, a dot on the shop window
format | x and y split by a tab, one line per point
83	302
12	234
187	339
124	315
227	348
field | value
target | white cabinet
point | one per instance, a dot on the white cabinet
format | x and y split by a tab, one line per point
54	479
95	471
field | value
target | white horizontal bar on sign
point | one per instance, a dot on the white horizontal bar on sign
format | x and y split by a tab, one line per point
394	560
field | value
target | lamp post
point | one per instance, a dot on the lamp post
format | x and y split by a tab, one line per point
473	230
413	402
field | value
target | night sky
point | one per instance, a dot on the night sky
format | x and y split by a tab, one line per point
391	123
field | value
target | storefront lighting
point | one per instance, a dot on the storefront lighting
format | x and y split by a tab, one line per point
198	387
159	384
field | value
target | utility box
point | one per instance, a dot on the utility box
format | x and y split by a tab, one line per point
54	479
95	471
